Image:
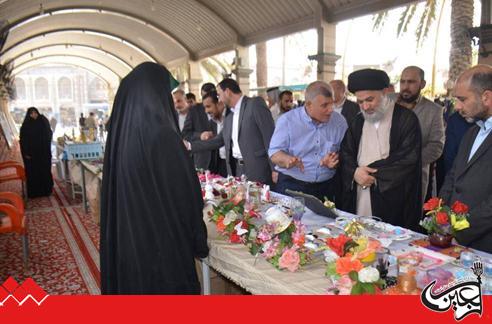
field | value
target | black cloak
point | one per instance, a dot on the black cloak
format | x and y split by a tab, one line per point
396	196
35	144
151	204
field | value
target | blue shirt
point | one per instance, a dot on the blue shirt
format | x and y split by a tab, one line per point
485	128
298	135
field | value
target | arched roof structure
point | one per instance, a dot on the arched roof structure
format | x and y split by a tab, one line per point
119	35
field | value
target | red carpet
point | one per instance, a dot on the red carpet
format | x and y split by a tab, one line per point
63	243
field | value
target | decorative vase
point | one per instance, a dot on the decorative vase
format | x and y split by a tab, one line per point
440	240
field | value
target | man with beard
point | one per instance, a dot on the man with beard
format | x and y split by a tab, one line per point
470	179
245	134
181	107
380	156
285	104
195	124
430	117
217	111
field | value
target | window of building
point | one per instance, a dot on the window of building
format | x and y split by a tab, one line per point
41	89
20	89
64	88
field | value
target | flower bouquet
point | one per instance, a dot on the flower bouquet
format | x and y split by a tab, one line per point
276	237
346	259
442	222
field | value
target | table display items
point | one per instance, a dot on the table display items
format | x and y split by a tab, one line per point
362	255
442	222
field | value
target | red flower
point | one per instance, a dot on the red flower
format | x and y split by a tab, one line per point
432	203
459	207
235	238
337	244
442	218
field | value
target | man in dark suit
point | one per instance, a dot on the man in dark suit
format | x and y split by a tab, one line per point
195	124
341	104
246	134
470	178
217	112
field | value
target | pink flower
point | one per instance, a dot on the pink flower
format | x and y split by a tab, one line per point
270	248
290	259
344	285
265	233
298	237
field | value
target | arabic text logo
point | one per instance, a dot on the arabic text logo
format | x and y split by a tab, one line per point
465	297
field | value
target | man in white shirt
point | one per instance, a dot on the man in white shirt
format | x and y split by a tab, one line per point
217	111
181	106
246	134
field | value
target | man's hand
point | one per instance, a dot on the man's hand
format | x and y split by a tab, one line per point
294	161
363	176
205	136
287	161
330	160
187	145
275	177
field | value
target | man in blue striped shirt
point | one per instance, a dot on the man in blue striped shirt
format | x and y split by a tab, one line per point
304	146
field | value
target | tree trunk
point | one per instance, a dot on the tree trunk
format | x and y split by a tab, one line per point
261	67
460	56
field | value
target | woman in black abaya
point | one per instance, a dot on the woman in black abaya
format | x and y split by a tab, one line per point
151	206
35	144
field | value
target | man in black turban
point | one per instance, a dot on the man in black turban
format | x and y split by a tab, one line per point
380	156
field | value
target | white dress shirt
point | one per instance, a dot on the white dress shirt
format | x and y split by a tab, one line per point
220	126
236	151
181	120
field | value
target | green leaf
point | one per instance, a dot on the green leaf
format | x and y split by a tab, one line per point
368	288
331	270
357	289
354	275
254	248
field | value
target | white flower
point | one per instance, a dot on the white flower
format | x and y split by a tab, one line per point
369	275
239	230
230	217
330	256
209	192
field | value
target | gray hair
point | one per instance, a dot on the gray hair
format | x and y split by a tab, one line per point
318	88
481	81
179	92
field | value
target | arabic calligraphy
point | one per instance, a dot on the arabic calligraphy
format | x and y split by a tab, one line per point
464	298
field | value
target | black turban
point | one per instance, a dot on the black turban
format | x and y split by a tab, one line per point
367	79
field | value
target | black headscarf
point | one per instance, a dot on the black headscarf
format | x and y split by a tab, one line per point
151	207
35	144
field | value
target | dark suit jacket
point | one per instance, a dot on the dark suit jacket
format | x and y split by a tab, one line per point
255	131
471	183
214	156
350	109
197	122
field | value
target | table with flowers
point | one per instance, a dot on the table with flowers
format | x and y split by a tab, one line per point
259	241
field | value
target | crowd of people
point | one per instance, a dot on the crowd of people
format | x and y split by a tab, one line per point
372	157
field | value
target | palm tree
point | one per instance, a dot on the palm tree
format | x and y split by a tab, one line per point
460	56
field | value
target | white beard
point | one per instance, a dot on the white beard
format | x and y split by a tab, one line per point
378	114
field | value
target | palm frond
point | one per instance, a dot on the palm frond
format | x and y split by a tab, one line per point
425	22
378	20
411	14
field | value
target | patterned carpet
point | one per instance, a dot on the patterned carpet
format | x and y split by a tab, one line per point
63	243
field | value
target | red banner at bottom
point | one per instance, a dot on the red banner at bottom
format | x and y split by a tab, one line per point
230	309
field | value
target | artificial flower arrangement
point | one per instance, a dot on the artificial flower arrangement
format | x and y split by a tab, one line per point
346	258
442	219
278	239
